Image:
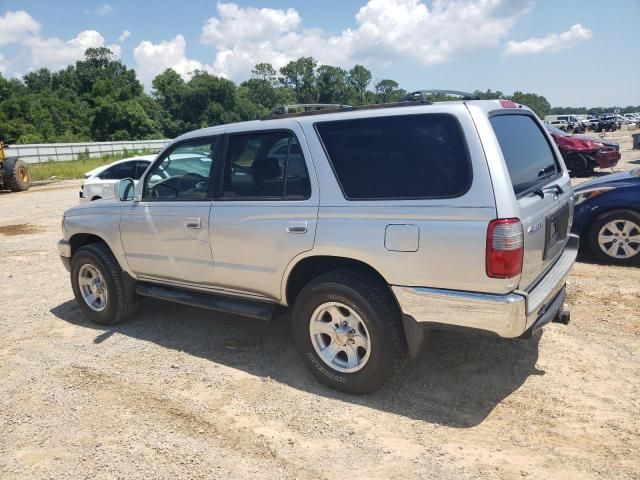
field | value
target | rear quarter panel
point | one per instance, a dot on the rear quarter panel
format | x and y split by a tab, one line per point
452	232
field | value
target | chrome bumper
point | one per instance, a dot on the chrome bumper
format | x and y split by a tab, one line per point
64	249
508	316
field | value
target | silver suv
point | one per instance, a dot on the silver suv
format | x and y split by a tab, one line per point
372	225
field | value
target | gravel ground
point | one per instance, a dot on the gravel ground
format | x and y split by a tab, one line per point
184	393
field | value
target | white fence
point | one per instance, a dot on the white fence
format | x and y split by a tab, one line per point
62	152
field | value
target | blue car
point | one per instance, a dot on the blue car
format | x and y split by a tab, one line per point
607	217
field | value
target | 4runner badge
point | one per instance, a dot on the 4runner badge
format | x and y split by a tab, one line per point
534	228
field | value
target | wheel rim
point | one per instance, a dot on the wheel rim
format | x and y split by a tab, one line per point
93	288
23	174
620	239
340	337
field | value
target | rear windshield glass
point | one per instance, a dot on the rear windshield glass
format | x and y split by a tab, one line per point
525	149
410	156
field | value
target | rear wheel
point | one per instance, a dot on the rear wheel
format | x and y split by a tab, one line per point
348	330
16	174
614	237
96	279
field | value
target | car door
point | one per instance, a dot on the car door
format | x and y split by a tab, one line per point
165	234
265	212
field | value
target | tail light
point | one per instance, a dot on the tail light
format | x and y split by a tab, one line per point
505	248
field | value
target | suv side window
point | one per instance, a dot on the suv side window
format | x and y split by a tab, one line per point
399	157
119	171
141	167
265	165
183	174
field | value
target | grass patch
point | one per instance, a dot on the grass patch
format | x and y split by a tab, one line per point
76	168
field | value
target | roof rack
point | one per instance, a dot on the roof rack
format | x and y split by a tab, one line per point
419	97
426	96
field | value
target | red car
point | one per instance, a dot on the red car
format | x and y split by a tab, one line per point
582	153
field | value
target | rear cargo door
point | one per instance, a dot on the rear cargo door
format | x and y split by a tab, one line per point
543	193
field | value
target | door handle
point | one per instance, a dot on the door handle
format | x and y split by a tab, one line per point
193	223
297	227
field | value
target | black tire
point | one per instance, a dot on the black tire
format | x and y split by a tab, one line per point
579	165
601	221
16	174
121	301
372	300
96	198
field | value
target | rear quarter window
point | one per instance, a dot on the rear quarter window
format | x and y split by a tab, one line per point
398	157
526	150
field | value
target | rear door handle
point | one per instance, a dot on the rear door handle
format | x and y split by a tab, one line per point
297	227
193	223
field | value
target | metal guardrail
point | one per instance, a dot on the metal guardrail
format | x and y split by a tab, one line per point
62	152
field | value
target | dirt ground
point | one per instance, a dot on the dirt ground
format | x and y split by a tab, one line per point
184	393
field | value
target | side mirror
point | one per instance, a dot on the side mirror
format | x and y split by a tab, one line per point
125	190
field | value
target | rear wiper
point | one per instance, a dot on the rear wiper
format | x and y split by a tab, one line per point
555	188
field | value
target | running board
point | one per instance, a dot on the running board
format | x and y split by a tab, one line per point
221	304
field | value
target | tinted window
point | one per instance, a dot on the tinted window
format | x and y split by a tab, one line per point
265	165
526	150
141	167
184	174
119	171
414	156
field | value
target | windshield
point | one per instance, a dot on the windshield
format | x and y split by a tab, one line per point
557	131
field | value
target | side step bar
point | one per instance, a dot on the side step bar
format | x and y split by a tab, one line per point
221	304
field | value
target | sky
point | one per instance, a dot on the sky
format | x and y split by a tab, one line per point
574	52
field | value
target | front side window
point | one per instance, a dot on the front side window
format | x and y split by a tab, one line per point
184	174
141	167
398	157
266	165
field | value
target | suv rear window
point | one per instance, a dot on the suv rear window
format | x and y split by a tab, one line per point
401	157
525	148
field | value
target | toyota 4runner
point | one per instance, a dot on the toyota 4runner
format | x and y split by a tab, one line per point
371	224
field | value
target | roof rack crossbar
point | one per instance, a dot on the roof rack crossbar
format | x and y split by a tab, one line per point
426	96
306	107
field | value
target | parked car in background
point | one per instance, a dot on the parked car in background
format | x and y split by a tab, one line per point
607	217
582	153
100	181
608	122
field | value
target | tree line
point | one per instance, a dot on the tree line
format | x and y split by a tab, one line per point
99	98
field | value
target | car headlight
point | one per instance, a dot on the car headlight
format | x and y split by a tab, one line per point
589	194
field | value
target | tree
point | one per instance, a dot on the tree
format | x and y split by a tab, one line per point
332	84
264	72
385	90
299	75
359	79
537	103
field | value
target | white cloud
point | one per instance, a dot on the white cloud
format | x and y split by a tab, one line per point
385	30
55	53
105	9
14	26
154	58
552	42
123	36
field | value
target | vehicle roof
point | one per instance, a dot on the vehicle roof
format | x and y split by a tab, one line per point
286	121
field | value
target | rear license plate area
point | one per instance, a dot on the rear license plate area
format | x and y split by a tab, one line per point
556	225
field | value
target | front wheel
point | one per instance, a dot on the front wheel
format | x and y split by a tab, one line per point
614	237
96	279
348	331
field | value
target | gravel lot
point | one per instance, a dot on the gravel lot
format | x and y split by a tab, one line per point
184	393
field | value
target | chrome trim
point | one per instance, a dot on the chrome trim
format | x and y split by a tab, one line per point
64	248
507	315
500	314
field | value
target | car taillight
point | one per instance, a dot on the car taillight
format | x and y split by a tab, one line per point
505	248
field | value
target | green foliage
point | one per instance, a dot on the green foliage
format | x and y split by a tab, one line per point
99	98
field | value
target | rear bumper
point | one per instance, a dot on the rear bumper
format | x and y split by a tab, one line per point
511	315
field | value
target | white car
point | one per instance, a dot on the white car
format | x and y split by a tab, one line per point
100	181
